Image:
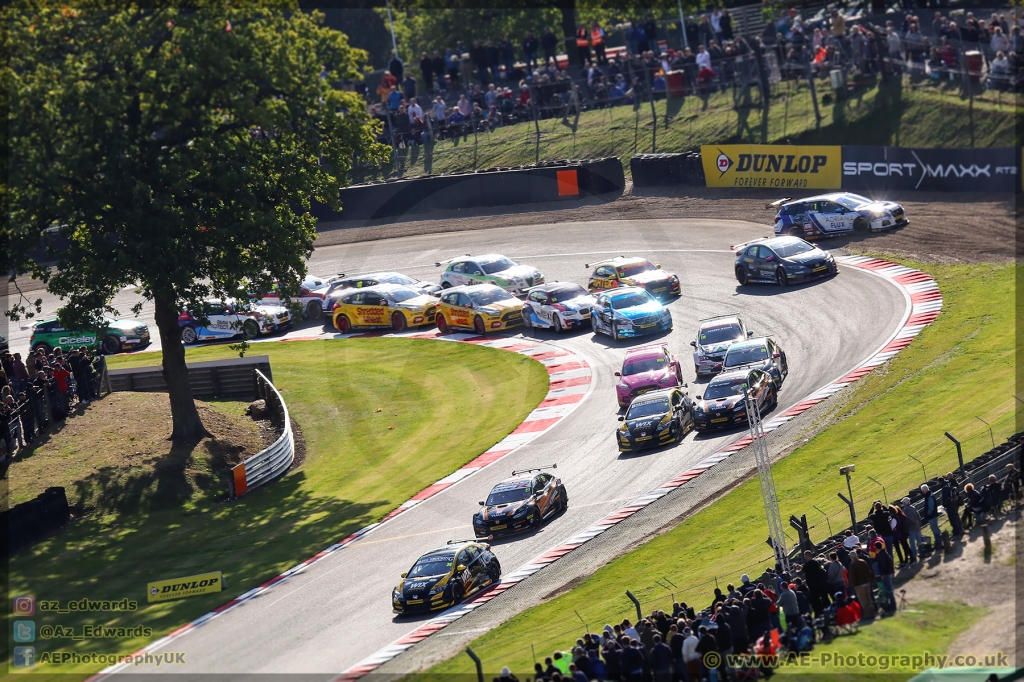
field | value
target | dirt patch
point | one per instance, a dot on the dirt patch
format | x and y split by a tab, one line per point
115	455
946	228
967	575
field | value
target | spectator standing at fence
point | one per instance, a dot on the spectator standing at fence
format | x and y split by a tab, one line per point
549	42
414	111
817	582
879	518
437	67
409	87
439	110
453	63
508	57
651	32
493	56
478	55
900	539
951	501
912	524
705	33
930	510
427	70
660	660
834	575
81	369
28	417
20	373
394	100
886	572
13	423
530	47
790	606
726	23
597	39
1012	482
861	577
582	44
716	24
61	375
396	67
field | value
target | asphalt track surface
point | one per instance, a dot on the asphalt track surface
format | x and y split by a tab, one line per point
338	611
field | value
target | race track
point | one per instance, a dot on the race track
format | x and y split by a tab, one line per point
336	612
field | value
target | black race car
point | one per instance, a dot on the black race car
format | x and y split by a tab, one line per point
722	405
782	261
763	354
525	500
654	419
445	576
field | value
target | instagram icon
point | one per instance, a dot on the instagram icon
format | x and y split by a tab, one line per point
25	605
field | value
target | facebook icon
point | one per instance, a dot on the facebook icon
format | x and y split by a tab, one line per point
24	656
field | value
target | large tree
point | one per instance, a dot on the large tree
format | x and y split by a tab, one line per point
174	148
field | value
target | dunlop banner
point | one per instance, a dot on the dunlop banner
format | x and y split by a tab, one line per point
177	588
989	169
772	166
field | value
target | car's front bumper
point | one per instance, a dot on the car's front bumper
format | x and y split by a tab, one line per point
714	421
817	273
634	331
507	527
707	366
632	444
422	605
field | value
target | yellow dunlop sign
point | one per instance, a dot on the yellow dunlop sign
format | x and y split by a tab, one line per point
166	590
772	166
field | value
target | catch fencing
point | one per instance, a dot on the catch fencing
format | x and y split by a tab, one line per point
986	450
275	460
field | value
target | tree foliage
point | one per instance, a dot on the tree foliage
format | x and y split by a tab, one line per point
175	149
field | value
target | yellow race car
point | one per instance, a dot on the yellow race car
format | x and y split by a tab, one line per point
480	307
384	305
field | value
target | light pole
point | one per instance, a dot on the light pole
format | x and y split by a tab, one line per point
776	533
959	452
846	471
391	25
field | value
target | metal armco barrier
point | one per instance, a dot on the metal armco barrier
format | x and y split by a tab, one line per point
655	170
273	461
543	182
991	169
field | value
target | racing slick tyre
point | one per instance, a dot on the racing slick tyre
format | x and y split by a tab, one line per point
861	224
188	335
458	593
342	323
775	398
314	310
250	329
478	326
564	496
780	277
494	571
741	276
398	322
593	323
556	324
796	232
527	322
111	345
442	324
446	285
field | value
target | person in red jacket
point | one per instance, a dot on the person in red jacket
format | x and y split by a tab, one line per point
61	375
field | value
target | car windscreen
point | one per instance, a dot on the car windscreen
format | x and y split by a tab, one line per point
630	300
402	294
720	334
647	408
787	249
490	296
653	363
630	270
432	564
397	278
793	209
724	389
497	266
744	354
853	201
566	294
507	493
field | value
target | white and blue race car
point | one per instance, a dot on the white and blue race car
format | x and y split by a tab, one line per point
827	215
558	306
629	312
220	320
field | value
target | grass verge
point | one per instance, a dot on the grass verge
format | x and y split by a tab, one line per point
382	419
961	366
899	115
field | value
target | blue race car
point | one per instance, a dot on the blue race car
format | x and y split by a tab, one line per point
827	215
629	312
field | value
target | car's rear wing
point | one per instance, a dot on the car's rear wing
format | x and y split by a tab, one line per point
776	204
737	247
646	346
601	262
526	471
719	317
446	262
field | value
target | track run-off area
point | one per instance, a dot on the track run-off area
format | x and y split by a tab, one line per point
334	615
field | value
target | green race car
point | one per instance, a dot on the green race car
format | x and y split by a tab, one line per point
116	336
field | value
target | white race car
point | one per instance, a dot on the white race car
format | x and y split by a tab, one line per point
311	294
226	320
827	215
490	269
558	305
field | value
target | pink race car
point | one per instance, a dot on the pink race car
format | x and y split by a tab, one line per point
647	368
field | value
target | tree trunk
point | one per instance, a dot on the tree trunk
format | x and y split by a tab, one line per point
184	415
568	8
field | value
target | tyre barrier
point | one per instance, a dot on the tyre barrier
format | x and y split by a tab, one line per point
655	170
537	183
30	522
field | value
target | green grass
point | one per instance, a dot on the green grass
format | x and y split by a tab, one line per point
922	116
923	628
447	402
961	366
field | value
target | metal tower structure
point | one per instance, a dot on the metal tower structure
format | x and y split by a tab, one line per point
764	474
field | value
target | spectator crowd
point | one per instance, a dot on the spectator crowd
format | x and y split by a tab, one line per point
40	392
828	594
459	89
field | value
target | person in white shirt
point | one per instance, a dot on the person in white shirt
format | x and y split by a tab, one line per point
415	110
464	106
999	42
703	58
439	108
716	24
691	658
